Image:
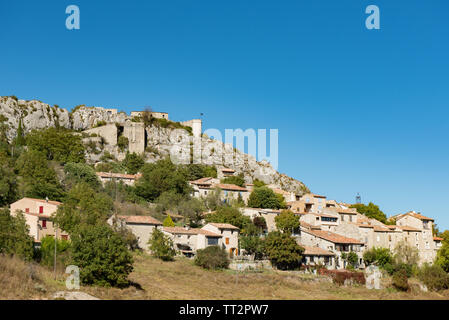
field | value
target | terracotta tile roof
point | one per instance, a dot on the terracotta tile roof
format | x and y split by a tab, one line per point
380	229
232	187
191	231
437	239
227	170
224	226
309	226
140	220
56	203
118	175
205	180
315	251
318	196
420	216
333	237
347	211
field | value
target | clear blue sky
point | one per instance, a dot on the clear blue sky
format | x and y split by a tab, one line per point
357	110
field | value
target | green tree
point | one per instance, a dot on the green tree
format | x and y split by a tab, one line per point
260	223
237	180
81	172
39	180
133	162
379	256
283	250
161	246
442	259
434	277
196	171
20	141
57	144
159	177
83	206
287	221
253	245
258	183
230	215
371	211
102	256
122	143
405	254
264	197
8	185
47	251
168	222
212	257
14	235
351	258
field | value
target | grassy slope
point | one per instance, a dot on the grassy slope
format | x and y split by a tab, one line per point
182	280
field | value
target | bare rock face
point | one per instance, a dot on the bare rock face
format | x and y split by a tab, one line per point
34	115
87	117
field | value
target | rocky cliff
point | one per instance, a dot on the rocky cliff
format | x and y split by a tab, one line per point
160	141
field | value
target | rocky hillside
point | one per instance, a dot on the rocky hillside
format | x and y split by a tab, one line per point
35	114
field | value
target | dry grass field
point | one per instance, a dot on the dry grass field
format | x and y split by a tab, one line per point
181	279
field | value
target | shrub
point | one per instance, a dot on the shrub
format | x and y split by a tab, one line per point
47	251
340	276
434	277
122	143
400	280
212	257
102	256
161	246
378	256
283	250
168	222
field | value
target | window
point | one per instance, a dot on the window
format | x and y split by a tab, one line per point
64	237
212	241
227	240
350	218
44	223
41	209
27	210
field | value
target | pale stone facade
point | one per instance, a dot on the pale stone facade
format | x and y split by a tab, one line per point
38	216
229	233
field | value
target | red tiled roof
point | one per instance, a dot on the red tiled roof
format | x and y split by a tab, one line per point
140	220
191	231
316	251
437	239
232	187
205	180
57	203
118	175
224	226
333	237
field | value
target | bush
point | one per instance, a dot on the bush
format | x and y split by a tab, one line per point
122	143
264	197
283	250
161	246
378	256
102	256
434	277
340	276
400	280
47	251
212	257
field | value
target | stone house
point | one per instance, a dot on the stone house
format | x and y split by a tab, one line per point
229	233
128	179
268	214
330	241
313	256
38	215
204	186
188	240
141	226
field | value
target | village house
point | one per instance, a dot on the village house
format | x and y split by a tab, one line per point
313	256
228	192
268	214
141	226
229	233
38	216
188	240
330	241
128	179
224	172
